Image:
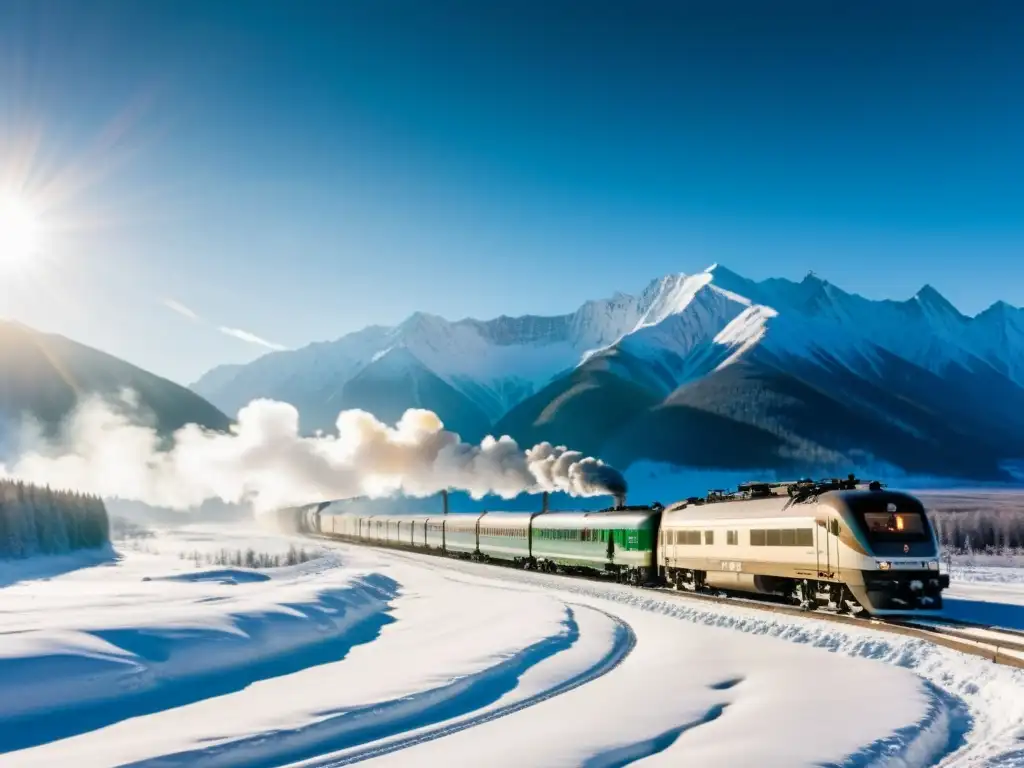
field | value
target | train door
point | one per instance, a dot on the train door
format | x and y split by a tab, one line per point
828	547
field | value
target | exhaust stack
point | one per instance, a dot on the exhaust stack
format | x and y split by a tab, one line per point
620	500
444	501
544	502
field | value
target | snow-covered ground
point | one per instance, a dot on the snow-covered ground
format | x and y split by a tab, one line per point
991	595
390	658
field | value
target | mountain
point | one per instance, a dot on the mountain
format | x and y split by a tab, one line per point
45	376
704	370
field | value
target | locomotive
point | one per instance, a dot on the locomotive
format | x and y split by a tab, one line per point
837	544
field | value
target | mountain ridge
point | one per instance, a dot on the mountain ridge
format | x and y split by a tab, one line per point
45	375
645	356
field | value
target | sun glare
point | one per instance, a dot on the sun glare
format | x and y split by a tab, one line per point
19	233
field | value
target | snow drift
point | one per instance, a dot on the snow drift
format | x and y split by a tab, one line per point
264	460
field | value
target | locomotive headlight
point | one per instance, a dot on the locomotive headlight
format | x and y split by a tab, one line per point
933	565
883	565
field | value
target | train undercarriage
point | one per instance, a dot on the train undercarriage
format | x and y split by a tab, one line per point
620	574
906	592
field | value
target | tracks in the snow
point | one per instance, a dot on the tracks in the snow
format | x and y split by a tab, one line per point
625	641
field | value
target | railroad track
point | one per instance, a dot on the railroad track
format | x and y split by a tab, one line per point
999	645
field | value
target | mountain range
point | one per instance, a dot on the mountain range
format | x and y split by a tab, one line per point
704	370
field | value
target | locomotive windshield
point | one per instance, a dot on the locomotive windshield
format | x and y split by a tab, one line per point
895	526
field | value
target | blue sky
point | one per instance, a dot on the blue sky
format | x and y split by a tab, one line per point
299	170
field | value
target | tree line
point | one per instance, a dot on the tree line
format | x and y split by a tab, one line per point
41	521
250	558
992	529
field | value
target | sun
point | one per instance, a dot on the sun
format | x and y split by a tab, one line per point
19	233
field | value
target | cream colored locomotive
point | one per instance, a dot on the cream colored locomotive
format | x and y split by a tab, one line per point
848	546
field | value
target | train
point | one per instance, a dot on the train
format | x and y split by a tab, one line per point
838	544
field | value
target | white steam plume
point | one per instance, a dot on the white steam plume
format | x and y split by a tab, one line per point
265	461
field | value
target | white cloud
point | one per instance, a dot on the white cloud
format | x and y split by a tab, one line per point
181	309
251	338
237	333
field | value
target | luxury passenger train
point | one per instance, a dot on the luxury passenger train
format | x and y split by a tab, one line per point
839	544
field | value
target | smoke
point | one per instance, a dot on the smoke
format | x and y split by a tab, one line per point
264	461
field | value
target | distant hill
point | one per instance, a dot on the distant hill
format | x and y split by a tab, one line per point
709	370
46	375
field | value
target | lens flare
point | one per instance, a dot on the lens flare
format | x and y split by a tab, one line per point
19	234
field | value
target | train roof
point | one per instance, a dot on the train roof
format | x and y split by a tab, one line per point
785	506
602	519
507	518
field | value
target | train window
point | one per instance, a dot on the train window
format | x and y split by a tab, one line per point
787	537
758	538
709	537
805	537
885	526
689	538
732	537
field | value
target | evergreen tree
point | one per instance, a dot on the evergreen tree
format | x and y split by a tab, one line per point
36	520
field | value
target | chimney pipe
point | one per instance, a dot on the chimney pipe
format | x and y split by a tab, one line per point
544	502
444	500
620	500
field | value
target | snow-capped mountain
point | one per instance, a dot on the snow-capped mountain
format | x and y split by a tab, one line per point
796	373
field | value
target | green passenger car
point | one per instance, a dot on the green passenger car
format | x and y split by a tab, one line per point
505	536
460	533
617	542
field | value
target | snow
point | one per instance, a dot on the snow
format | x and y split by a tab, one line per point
389	658
974	716
660	704
745	332
997	601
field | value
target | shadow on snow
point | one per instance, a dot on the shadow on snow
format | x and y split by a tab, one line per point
156	647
